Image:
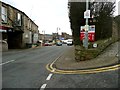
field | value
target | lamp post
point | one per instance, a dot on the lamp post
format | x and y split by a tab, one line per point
57	32
43	35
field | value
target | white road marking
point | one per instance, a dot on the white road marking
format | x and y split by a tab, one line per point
43	86
7	62
49	76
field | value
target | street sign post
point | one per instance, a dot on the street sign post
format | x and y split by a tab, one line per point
91	32
87	14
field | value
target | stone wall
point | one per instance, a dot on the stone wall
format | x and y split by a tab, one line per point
82	54
115	31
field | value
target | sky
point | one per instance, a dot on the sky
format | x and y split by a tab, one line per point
47	14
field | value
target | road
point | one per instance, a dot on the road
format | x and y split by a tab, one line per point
27	69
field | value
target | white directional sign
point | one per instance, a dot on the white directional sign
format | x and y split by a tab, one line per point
95	45
87	14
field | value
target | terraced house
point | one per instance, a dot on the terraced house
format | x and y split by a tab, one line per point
16	27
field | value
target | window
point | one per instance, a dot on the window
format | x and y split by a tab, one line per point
18	19
29	24
4	14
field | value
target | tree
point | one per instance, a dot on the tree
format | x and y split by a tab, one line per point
76	16
102	12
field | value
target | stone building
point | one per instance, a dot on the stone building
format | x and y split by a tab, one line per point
48	37
55	36
66	36
16	27
41	37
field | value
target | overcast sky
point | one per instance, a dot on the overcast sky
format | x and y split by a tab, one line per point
47	14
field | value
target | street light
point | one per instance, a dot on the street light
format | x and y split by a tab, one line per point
44	35
57	32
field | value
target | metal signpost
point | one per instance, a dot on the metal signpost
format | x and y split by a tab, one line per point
86	15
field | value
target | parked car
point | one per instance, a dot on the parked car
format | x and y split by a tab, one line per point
47	44
59	44
69	42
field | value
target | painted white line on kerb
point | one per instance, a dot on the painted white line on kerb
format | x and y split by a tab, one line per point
43	86
49	76
7	62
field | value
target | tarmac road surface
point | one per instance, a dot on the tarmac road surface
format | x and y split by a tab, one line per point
27	69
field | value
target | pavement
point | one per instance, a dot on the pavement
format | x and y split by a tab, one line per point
108	59
20	50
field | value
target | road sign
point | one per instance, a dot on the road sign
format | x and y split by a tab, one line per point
91	32
87	14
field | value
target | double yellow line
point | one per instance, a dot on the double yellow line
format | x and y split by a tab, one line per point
87	71
51	68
